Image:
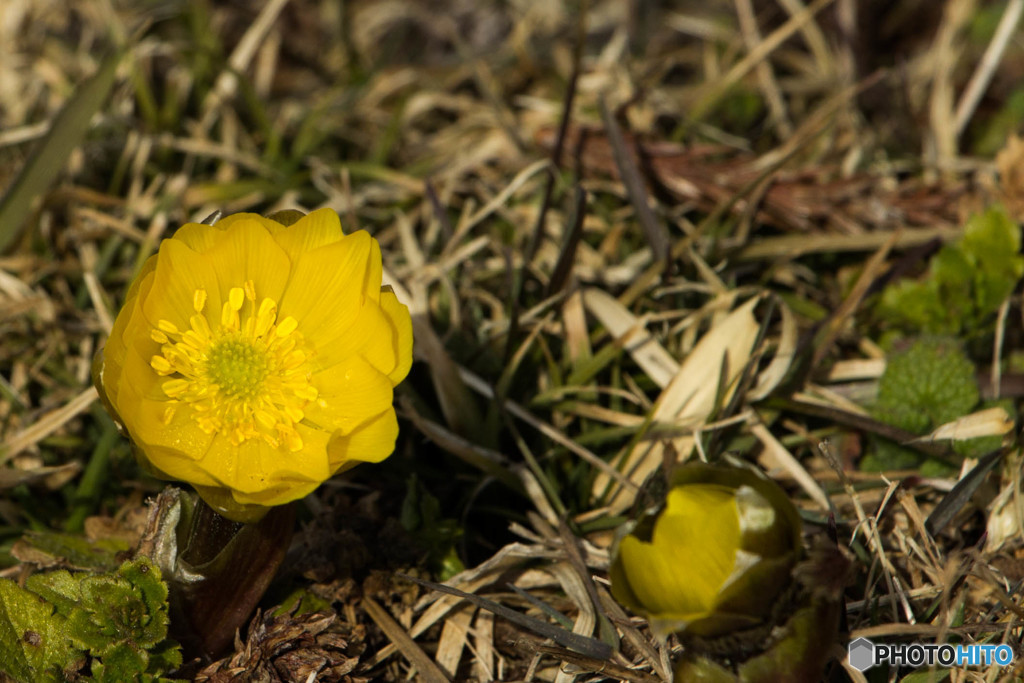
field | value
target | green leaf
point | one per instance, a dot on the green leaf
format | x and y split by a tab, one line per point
912	304
949	289
966	282
61	588
122	609
302	601
34	641
77	550
926	385
120	618
422	516
991	242
145	576
888	456
123	662
165	657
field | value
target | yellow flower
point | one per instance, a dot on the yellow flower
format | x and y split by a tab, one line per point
254	360
715	559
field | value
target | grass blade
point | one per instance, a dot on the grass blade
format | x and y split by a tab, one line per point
69	127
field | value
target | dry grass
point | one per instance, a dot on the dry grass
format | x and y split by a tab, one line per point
595	211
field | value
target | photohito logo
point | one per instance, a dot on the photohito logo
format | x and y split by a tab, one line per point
863	654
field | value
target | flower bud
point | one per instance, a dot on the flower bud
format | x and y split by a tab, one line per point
715	559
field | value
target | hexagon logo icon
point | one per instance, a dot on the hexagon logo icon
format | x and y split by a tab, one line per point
861	654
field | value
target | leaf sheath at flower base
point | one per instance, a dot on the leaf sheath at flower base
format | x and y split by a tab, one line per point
216	569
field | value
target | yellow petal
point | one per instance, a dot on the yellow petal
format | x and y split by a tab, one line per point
381	340
374	272
201	237
136	384
116	347
660	579
311	463
254	465
198	236
277	495
171	441
228	221
138	380
371	335
175	447
180	434
312	231
691	553
380	334
371	441
180	271
246	467
248	252
132	299
348	393
324	291
173	464
399	315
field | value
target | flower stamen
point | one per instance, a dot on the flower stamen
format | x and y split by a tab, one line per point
248	378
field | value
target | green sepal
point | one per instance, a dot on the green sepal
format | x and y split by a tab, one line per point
287	217
224	504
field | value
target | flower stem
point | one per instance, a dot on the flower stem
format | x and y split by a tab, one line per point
216	569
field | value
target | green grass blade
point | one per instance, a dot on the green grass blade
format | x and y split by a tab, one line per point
69	127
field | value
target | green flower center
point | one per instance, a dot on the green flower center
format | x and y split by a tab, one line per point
237	367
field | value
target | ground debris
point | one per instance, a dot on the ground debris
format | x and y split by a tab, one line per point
291	647
790	199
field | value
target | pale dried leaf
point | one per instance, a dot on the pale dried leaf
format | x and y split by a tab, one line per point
651	356
47	425
11	477
855	369
691	394
988	422
776	371
779	456
454	635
